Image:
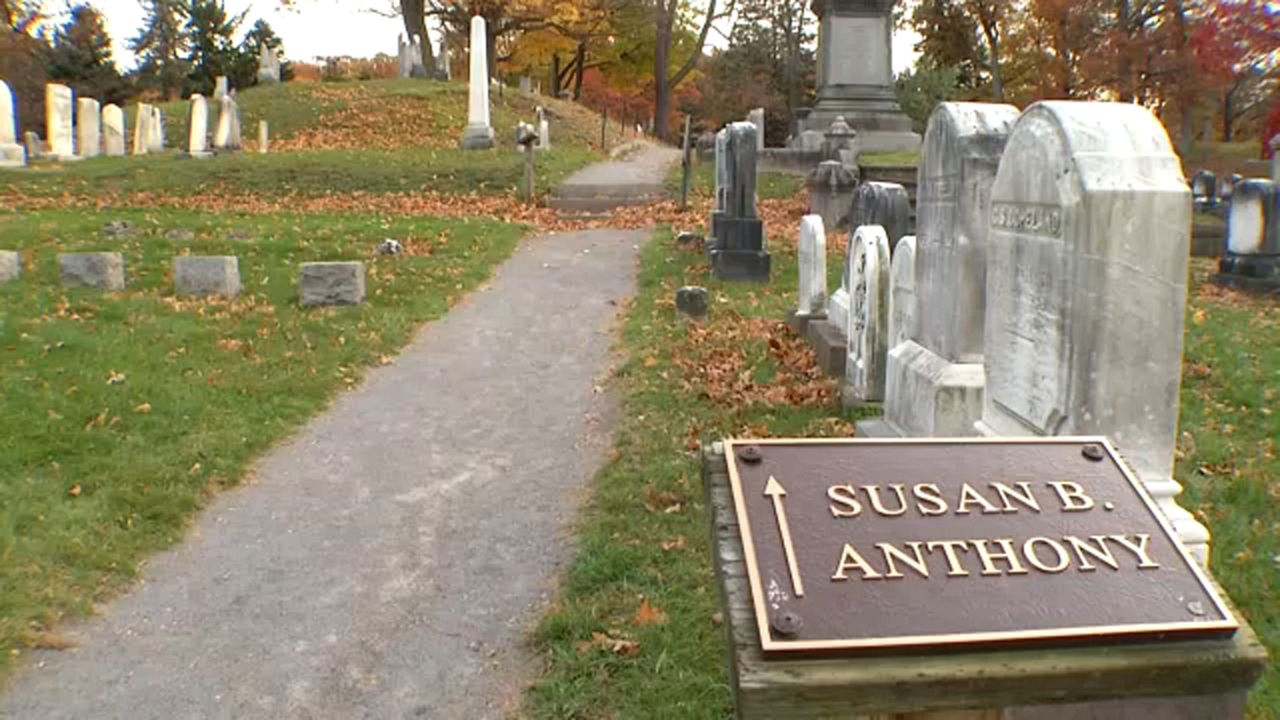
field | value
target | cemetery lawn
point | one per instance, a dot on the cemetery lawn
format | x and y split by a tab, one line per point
124	413
637	633
336	138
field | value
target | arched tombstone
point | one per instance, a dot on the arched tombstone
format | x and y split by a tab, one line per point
142	133
113	131
198	125
935	377
904	303
868	328
1252	258
88	127
12	153
812	253
59	109
1087	257
1204	190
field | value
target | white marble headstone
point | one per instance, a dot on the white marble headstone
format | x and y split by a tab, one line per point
89	127
868	324
1247	219
226	135
813	268
12	153
113	131
479	131
156	139
756	117
221	88
58	118
1087	259
264	137
198	128
904	303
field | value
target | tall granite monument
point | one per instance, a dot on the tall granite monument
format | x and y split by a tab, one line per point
855	75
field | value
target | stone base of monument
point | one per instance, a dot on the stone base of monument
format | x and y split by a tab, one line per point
830	345
477	137
740	265
926	396
799	324
1251	273
1168	679
12	155
1259	286
878	130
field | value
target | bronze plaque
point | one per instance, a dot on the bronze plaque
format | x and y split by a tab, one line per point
880	544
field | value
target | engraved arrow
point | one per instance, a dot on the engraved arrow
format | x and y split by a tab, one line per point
775	490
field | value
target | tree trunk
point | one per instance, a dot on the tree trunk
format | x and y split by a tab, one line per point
555	75
581	60
661	68
1228	115
415	24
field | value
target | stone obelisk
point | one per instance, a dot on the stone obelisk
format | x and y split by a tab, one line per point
479	133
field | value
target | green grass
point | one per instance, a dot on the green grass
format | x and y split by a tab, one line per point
702	182
95	475
890	158
377	137
1228	464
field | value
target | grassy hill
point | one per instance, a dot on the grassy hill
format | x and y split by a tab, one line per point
376	136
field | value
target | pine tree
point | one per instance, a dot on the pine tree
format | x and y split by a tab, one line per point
160	46
81	56
210	35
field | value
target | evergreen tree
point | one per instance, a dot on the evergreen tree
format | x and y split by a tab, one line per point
210	35
160	46
81	57
251	49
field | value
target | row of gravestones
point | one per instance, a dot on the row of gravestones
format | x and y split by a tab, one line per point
79	128
319	283
1043	294
410	56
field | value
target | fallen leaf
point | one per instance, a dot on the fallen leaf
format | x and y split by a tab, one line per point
676	543
143	409
195	469
617	646
115	378
717	619
650	361
649	615
74	491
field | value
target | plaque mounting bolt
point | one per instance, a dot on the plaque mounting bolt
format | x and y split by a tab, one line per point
786	622
1093	452
750	455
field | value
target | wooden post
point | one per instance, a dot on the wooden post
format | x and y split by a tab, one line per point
604	125
684	184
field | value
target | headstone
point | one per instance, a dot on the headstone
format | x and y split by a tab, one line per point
1087	264
935	378
99	270
739	252
264	137
692	303
884	204
119	230
478	134
221	88
1204	190
58	118
1252	258
180	235
445	62
526	84
855	74
812	303
840	142
198	124
35	147
868	328
89	127
756	117
404	52
904	304
156	128
418	69
831	186
113	131
12	153
1227	185
268	66
10	266
811	141
226	136
331	283
195	276
722	183
142	129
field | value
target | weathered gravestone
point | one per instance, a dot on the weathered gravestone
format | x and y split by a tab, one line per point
35	147
156	127
978	579
526	85
419	70
1252	258
113	132
478	135
544	129
868	328
813	275
756	117
1087	256
739	252
935	378
692	303
1204	190
196	276
142	132
198	128
98	270
840	143
874	203
10	266
226	136
221	88
268	66
58	110
331	283
12	153
89	127
404	52
831	186
264	137
904	302
722	185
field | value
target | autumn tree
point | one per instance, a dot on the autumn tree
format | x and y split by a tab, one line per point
670	17
161	46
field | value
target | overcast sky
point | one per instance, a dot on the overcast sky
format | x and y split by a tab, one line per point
328	27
